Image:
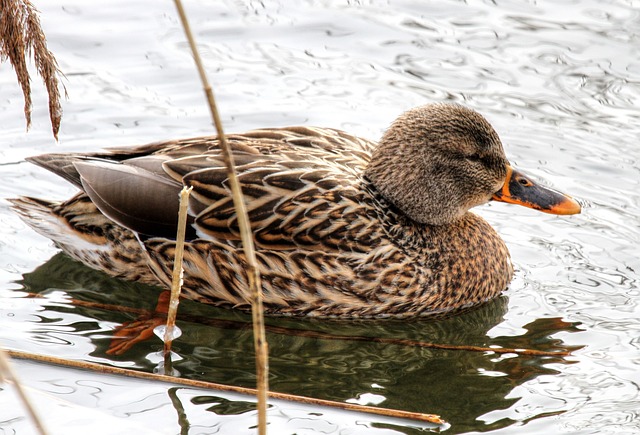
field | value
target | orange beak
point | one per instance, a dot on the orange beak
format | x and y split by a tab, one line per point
519	189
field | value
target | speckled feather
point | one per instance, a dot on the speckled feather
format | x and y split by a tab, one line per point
329	243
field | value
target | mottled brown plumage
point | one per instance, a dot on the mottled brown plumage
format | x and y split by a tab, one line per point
343	227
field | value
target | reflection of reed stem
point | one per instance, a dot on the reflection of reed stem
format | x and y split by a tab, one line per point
183	419
428	418
176	282
253	275
7	374
234	324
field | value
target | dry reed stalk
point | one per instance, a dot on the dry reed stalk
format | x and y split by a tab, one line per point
194	383
7	374
20	36
176	282
253	275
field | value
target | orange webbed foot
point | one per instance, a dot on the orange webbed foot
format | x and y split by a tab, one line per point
129	333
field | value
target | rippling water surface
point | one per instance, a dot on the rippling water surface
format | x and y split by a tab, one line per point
558	80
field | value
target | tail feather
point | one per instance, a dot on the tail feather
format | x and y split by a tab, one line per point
39	215
78	228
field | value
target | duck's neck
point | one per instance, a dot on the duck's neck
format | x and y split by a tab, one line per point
413	236
421	239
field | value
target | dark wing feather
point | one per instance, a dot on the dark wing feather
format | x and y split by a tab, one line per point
139	199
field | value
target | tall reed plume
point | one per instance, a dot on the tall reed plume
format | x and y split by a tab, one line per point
21	36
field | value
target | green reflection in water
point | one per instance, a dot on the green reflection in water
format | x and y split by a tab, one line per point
217	346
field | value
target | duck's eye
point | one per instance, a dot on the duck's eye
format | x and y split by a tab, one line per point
473	157
524	182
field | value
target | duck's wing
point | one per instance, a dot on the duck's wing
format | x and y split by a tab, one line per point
290	204
301	185
135	192
302	189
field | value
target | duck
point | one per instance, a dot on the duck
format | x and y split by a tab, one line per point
344	227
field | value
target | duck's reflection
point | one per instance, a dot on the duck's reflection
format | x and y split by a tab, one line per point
217	346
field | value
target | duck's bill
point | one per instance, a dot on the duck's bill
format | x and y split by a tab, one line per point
519	189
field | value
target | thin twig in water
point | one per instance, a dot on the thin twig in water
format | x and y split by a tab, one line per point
428	418
7	374
253	275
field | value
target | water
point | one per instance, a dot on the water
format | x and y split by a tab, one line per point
558	80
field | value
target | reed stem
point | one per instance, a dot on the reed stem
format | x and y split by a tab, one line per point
7	374
176	282
253	275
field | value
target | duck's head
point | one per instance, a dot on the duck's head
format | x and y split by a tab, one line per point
437	161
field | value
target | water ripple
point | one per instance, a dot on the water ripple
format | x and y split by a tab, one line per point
560	82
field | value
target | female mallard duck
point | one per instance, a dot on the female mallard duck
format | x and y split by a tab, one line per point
343	227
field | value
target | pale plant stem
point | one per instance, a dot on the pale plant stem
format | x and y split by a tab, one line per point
259	336
7	374
176	282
